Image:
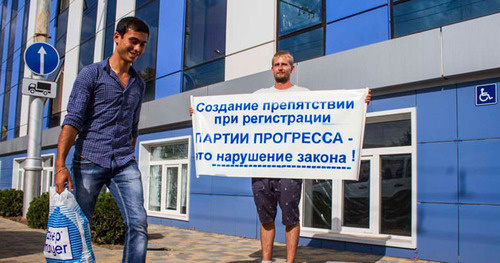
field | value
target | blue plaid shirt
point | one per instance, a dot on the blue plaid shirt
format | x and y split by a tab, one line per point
105	115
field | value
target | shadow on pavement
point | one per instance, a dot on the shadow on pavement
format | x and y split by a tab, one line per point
20	243
307	254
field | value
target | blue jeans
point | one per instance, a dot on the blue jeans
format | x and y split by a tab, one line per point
126	187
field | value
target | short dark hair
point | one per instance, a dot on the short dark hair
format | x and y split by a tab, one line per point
132	23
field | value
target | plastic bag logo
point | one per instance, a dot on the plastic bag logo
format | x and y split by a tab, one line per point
57	245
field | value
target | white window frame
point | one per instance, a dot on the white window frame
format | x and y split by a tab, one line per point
18	183
372	234
145	163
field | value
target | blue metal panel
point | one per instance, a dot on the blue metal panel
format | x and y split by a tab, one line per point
437	232
199	211
202	184
479	233
232	186
478	171
337	9
246	220
222	218
358	247
437	114
476	122
169	85
398	252
361	30
393	101
333	244
437	172
310	242
170	38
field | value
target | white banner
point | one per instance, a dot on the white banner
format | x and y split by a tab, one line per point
310	135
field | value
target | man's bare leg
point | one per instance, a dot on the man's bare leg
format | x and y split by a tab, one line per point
292	241
267	232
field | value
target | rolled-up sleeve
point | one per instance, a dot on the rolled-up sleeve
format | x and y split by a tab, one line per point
137	113
79	98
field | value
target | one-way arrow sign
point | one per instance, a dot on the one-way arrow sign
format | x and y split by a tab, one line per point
41	58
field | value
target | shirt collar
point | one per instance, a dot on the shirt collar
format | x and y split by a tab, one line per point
106	67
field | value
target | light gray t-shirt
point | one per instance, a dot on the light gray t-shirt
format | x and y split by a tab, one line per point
273	89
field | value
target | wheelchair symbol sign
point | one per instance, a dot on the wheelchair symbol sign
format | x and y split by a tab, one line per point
486	94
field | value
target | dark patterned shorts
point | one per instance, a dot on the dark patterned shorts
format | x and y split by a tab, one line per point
267	193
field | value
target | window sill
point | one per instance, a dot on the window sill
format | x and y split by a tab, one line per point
180	217
364	238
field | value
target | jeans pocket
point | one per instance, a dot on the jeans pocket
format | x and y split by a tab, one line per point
80	160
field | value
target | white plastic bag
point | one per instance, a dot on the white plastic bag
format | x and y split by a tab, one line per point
68	230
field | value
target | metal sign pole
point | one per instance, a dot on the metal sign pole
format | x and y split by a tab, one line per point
33	165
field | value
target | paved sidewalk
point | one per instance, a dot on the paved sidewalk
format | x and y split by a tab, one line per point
20	243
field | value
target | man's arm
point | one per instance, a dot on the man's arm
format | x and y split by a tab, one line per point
66	140
134	141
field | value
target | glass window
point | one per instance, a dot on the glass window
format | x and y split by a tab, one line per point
155	187
299	14
318	203
87	36
387	134
205	37
357	199
146	64
396	194
415	15
204	75
62	24
301	28
304	46
168	180
21	70
47	174
381	201
8	74
110	28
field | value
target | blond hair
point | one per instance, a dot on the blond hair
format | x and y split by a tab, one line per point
283	54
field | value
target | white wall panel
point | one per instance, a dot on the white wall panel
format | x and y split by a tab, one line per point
72	52
472	46
25	103
99	29
124	8
249	23
251	61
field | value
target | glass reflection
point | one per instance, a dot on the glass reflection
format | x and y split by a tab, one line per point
396	194
417	15
298	14
304	46
387	134
155	187
357	199
172	174
169	152
317	211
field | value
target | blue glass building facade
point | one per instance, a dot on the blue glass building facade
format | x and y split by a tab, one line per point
429	182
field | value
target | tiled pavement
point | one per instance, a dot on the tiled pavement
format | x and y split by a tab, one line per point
19	243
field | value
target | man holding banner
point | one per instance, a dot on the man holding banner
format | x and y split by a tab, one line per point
280	136
267	191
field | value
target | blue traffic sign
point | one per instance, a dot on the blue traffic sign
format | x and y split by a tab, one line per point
41	58
486	94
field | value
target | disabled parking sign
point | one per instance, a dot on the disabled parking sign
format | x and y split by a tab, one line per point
486	94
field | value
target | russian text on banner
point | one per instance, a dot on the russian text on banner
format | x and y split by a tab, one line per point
310	135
